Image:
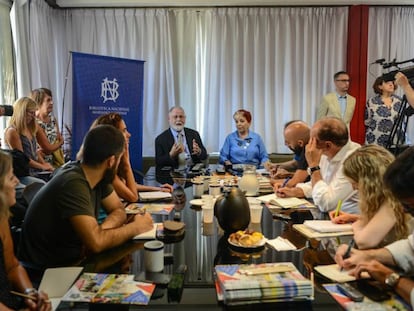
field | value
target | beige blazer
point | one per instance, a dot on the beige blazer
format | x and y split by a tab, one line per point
330	107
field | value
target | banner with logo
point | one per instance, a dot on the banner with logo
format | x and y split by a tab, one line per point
103	84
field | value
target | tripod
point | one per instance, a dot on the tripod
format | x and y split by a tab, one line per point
396	140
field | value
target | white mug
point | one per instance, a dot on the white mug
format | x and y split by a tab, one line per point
154	256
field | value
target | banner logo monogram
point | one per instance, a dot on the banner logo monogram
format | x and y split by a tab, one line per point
109	90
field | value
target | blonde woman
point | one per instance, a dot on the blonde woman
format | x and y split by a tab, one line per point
12	275
21	135
382	219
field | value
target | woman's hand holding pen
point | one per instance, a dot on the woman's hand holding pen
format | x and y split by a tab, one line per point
342	218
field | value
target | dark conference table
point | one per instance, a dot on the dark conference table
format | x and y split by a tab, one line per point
202	247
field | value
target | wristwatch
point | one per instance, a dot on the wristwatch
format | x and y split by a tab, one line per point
312	169
392	279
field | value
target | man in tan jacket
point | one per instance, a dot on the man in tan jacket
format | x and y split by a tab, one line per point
338	104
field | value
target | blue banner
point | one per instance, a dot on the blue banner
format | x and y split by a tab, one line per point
103	84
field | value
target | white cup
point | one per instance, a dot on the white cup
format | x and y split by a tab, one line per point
198	190
214	189
207	199
154	256
255	213
208	213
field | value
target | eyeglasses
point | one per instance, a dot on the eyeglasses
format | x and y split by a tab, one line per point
343	80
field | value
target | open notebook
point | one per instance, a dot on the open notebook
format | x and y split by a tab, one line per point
57	281
285	202
333	272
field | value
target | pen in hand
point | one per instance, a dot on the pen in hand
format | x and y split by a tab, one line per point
338	208
348	251
285	182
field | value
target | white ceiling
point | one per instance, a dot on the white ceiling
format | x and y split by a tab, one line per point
199	3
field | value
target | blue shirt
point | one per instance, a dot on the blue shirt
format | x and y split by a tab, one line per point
250	150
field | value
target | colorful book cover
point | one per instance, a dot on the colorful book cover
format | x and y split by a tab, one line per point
263	282
110	288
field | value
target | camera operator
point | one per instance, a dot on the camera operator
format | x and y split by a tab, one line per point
402	81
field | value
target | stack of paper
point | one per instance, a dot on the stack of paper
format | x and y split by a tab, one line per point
149	235
327	226
262	283
281	244
154	195
285	202
110	288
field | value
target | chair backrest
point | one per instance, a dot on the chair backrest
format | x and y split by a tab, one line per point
30	191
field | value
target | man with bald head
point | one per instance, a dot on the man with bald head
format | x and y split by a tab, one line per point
296	136
328	147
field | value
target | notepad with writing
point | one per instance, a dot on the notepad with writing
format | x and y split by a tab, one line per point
285	202
327	226
333	272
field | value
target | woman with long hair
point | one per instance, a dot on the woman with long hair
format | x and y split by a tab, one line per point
12	275
382	219
21	135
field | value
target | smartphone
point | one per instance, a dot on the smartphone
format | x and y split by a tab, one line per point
153	277
374	290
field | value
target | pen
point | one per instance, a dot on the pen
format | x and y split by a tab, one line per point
338	208
34	298
285	182
348	251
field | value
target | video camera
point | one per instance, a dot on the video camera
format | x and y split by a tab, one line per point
390	76
6	110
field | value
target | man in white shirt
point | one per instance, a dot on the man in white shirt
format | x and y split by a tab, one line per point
326	151
399	178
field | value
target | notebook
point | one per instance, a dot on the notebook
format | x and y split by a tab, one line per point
57	281
313	234
327	226
285	202
148	235
333	272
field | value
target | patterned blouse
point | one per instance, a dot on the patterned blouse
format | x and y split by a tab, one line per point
379	121
51	134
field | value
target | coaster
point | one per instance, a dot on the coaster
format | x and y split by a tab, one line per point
173	226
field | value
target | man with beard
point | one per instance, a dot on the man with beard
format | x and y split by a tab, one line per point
328	147
296	135
178	142
60	227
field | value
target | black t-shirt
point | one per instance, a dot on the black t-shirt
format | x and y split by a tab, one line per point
48	238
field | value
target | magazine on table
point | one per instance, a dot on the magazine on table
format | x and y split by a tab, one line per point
109	288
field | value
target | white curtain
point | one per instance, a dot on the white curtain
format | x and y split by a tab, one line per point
7	92
390	36
275	62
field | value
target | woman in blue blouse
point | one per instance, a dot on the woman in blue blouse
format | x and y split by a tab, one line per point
243	146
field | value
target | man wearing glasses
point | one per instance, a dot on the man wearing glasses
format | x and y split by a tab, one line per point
338	104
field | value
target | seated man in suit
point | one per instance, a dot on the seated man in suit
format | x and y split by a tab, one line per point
338	104
60	227
325	153
399	178
178	144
